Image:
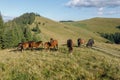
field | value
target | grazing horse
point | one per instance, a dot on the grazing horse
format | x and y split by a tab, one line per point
24	45
54	44
33	44
47	45
80	41
70	45
90	43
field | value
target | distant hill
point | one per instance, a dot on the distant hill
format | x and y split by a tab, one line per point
102	25
67	21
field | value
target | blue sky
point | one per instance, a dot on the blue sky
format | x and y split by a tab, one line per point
62	9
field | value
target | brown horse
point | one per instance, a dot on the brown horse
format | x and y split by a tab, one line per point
54	44
47	45
33	44
80	42
29	45
70	45
24	45
51	45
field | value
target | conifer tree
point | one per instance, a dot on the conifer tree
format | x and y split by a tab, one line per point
1	30
27	34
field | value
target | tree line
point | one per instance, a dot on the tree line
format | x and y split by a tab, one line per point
112	37
18	30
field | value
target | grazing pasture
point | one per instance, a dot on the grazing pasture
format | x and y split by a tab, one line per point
99	62
83	64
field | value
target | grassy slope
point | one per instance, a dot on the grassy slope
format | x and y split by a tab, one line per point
104	25
84	64
62	32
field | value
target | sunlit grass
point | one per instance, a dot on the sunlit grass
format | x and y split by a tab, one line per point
83	64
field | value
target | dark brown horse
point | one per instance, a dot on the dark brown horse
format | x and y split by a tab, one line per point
90	43
70	45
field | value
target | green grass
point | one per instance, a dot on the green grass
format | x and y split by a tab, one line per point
83	64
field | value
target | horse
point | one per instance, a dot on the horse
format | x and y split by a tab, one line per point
90	43
70	45
52	45
24	45
47	45
33	44
80	42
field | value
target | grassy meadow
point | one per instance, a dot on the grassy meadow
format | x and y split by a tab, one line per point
102	62
83	64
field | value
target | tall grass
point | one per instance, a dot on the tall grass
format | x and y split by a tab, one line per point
83	64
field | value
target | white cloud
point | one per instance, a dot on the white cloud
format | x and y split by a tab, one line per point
100	11
93	3
100	4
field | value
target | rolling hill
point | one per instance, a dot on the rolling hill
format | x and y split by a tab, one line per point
101	62
102	25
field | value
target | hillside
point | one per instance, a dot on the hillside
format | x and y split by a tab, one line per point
101	62
61	31
102	25
33	27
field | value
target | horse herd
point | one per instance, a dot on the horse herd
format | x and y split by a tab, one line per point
80	42
53	44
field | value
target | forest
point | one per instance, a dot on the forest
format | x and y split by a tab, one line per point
17	30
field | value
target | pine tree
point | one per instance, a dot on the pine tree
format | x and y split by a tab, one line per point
27	34
1	21
1	30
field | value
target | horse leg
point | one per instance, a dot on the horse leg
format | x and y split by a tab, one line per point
70	50
31	48
78	44
57	46
21	49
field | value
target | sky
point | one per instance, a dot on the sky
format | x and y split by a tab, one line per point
61	9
